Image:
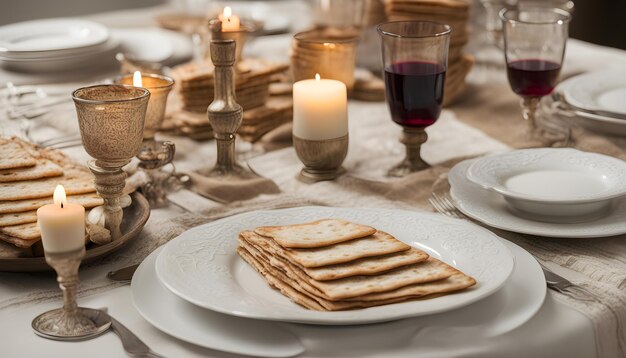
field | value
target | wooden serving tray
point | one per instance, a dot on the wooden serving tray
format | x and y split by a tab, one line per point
135	217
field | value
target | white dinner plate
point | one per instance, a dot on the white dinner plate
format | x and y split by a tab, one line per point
601	91
491	209
507	309
101	56
150	45
202	266
553	184
203	327
51	35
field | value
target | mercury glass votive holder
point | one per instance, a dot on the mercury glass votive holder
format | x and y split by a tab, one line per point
111	120
321	52
159	87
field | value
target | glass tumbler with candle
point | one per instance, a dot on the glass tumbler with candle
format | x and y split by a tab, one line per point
534	46
62	227
415	59
154	154
320	52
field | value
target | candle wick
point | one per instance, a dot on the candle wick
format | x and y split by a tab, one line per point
61	205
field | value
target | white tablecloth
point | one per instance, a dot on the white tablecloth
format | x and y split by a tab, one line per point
556	331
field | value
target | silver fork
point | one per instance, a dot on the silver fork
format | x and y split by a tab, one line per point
443	204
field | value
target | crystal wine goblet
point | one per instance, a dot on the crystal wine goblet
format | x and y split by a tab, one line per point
534	46
415	59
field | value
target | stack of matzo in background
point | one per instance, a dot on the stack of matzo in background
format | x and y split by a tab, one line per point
451	12
28	177
195	83
187	107
331	265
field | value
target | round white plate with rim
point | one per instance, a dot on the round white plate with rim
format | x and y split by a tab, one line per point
205	328
491	209
202	266
507	309
600	91
51	35
553	184
551	175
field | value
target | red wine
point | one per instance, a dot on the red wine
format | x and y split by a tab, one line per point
533	78
415	92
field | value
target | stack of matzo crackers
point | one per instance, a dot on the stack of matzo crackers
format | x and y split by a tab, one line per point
256	122
28	177
195	83
331	265
451	12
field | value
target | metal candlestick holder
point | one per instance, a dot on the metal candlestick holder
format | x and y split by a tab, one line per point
412	138
111	120
154	154
70	322
322	159
240	36
225	115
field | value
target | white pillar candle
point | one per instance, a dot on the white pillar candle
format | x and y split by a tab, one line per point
62	224
229	21
320	109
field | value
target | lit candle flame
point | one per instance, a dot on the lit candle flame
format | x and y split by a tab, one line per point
317	77
59	196
137	79
228	12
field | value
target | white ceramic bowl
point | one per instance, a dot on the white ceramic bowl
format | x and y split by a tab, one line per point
553	184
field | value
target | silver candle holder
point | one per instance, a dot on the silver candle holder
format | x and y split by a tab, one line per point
225	114
70	322
322	159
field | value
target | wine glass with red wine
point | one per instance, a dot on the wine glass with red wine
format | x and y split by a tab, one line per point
534	46
415	59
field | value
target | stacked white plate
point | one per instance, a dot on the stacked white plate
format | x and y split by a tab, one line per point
54	45
210	297
595	100
553	192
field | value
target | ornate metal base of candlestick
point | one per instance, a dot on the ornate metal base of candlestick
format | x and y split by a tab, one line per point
81	324
412	138
110	182
70	322
322	159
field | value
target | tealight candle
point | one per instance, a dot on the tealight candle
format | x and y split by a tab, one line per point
320	109
62	224
229	21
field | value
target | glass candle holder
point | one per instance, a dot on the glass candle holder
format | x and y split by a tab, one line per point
154	154
111	120
415	59
321	52
534	46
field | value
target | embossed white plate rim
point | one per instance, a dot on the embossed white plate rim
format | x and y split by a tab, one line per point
582	91
516	303
206	328
490	208
188	283
549	158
